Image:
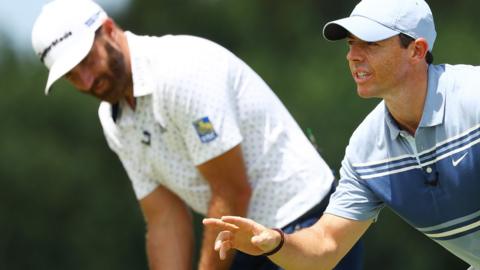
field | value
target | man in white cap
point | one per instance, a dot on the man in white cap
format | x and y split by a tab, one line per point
417	152
194	127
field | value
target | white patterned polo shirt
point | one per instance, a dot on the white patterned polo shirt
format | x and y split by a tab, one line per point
195	100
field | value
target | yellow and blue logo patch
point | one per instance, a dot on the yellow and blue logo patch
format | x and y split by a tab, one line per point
205	130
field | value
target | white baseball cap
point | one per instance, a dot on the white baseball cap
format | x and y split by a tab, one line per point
63	34
375	20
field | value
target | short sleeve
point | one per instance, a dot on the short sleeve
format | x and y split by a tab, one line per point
352	198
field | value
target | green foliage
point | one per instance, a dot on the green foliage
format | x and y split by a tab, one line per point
66	202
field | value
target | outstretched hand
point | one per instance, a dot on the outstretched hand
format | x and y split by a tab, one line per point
242	234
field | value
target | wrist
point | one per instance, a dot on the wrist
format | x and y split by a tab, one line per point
279	246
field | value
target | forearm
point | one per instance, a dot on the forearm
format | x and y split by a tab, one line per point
209	259
231	194
322	245
307	249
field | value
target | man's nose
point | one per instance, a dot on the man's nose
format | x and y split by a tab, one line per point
82	78
354	53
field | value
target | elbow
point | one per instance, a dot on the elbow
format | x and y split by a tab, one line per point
322	254
325	261
331	254
332	261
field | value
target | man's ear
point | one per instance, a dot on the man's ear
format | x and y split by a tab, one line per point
108	28
420	49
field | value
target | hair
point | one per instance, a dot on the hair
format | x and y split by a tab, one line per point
405	40
98	32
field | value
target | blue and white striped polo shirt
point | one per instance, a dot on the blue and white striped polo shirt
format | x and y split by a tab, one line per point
431	180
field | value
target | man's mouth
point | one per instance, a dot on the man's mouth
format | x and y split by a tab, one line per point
361	76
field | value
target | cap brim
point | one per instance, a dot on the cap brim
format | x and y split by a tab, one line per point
361	27
77	50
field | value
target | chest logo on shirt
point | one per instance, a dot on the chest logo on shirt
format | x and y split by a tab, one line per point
146	138
455	162
205	129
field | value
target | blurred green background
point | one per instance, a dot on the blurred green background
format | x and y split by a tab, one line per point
65	200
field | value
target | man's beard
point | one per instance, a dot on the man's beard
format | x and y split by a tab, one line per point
116	76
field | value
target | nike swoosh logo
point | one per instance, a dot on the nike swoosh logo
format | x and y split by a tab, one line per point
456	162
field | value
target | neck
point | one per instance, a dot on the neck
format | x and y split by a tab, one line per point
131	101
406	103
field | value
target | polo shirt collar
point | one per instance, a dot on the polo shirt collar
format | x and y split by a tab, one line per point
143	83
434	108
143	72
391	124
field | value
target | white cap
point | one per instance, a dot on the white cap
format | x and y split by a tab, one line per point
375	20
63	34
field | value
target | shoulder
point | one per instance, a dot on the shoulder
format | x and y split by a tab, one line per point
371	125
190	65
172	44
459	70
461	84
184	48
458	77
368	136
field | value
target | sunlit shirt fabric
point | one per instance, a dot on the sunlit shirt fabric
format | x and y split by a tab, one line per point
432	180
195	101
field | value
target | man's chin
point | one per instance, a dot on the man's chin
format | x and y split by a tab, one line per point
363	92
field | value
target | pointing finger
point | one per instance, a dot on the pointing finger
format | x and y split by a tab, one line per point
219	224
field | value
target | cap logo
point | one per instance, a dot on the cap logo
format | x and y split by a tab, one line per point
88	23
53	44
92	19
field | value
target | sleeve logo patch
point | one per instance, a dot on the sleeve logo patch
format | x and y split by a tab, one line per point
205	130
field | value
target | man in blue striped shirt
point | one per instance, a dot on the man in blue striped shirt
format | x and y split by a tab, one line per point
417	152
